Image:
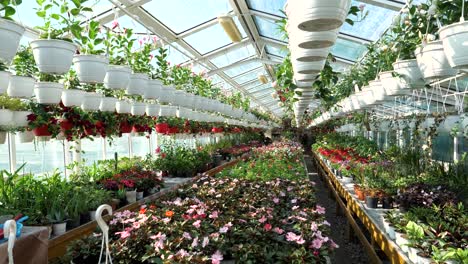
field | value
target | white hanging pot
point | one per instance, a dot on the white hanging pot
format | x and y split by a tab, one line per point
52	55
48	92
377	90
72	97
91	102
432	61
4	81
90	68
188	101
312	40
179	98
309	55
21	86
107	104
167	110
20	118
25	136
138	109
409	70
10	36
153	90
308	67
455	38
317	15
152	110
6	117
137	84
123	107
167	94
394	86
117	77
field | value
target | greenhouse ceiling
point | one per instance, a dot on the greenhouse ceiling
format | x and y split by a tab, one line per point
194	37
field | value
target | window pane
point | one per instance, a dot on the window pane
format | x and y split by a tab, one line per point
244	67
40	157
233	56
348	49
267	28
267	6
92	150
281	52
249	76
119	145
181	15
140	145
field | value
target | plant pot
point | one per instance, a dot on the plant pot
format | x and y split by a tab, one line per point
125	128
409	70
53	56
317	15
48	92
92	215
10	36
123	107
42	131
20	118
74	222
387	202
153	89
6	117
310	55
138	129
138	109
346	180
131	196
152	110
108	104
114	203
4	81
65	125
25	137
401	241
393	86
72	97
432	61
91	102
311	40
454	38
138	84
425	260
59	228
21	86
85	218
371	202
90	68
308	67
117	77
139	195
413	254
3	137
162	128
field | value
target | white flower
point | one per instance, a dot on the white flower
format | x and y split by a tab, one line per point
430	37
423	12
405	10
384	48
424	147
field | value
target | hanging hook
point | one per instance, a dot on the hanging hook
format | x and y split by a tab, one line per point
9	230
105	231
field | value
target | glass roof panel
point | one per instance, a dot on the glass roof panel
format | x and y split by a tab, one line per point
267	6
216	36
347	49
340	66
128	22
181	15
244	67
252	75
268	28
260	87
372	27
215	79
281	52
233	56
175	56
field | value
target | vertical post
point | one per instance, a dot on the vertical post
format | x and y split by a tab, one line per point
386	140
401	140
156	141
12	148
68	157
150	137
456	154
104	148
130	146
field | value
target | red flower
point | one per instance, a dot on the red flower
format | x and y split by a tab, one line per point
267	227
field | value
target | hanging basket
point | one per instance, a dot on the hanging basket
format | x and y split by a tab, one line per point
138	84
455	38
410	71
433	63
91	102
123	107
53	56
21	87
65	125
48	92
6	117
90	68
72	97
107	104
25	137
153	89
20	118
10	36
162	128
125	128
3	137
42	131
117	77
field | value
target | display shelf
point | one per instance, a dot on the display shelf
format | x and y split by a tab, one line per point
372	219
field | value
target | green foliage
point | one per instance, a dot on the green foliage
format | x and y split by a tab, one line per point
24	64
91	38
8	8
119	45
13	104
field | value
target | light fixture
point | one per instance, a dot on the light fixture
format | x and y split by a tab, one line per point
262	78
230	27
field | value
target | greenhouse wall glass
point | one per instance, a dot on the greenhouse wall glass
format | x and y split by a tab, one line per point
234	131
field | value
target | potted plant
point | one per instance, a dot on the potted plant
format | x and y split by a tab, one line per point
53	53
58	218
130	189
140	65
91	99
72	95
10	31
22	83
48	90
90	65
119	45
42	121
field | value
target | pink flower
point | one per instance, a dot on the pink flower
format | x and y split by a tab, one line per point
182	253
314	226
155	39
195	242
333	244
213	215
319	209
136	225
123	234
275	200
278	230
274	84
186	235
158	150
362	6
317	243
114	24
267	227
216	257
197	224
262	220
223	229
294	201
205	242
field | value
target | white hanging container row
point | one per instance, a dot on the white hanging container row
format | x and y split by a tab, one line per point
91	101
138	84
48	92
53	56
90	68
72	97
117	77
10	36
21	86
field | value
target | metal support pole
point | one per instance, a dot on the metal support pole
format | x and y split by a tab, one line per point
456	154
386	140
12	148
104	148
130	145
